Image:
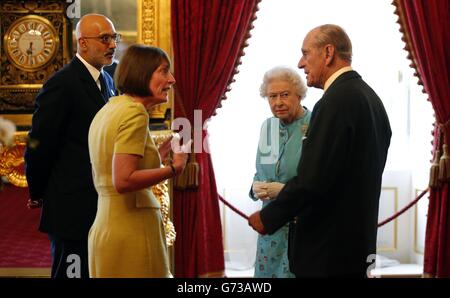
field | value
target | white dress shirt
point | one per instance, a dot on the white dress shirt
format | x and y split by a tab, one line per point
335	75
95	73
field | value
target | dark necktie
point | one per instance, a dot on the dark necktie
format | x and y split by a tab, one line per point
104	87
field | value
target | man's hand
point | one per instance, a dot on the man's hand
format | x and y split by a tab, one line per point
33	204
255	222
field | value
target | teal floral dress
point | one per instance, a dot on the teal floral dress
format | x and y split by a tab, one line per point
277	166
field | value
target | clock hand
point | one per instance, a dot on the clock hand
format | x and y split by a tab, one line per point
30	49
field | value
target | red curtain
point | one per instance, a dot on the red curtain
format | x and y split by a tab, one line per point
425	24
208	41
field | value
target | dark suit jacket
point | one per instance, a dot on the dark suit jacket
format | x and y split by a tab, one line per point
57	161
336	193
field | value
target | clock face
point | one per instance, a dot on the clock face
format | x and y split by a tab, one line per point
31	42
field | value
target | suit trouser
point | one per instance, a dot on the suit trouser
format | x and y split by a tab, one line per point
69	258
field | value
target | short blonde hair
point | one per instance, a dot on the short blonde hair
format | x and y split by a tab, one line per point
285	74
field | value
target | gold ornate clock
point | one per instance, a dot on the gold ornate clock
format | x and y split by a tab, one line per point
36	41
31	42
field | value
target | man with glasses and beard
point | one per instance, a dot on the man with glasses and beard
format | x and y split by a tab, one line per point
57	161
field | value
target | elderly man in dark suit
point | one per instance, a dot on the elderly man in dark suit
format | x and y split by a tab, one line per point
57	162
335	196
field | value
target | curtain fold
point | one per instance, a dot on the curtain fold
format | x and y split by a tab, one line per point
208	41
425	25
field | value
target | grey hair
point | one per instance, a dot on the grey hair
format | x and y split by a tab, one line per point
285	74
336	36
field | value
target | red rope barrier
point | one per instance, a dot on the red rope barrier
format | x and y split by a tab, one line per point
379	224
233	208
403	210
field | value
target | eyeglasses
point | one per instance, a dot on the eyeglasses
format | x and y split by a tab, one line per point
106	38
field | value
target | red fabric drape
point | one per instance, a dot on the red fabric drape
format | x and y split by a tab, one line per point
208	40
425	24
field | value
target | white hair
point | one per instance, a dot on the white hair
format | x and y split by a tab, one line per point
285	74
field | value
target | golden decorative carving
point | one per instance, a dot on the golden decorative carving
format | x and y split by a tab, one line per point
153	23
17	100
12	162
161	191
147	22
36	7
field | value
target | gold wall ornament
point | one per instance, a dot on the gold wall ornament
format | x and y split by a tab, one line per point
161	192
153	24
12	164
147	22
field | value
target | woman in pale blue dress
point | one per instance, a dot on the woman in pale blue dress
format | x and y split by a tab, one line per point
279	150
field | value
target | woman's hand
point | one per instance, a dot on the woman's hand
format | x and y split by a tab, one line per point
180	154
179	161
266	190
165	148
260	190
273	189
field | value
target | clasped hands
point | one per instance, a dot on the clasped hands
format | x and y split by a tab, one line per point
266	190
263	191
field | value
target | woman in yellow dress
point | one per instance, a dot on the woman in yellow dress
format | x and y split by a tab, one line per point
127	238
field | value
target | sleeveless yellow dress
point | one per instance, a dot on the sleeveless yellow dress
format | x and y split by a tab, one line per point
127	238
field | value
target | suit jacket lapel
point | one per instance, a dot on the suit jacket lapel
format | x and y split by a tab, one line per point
343	77
89	85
